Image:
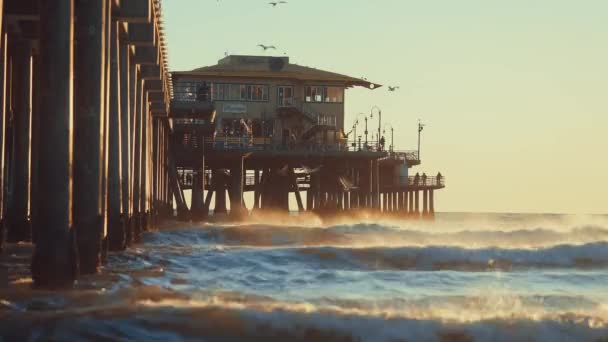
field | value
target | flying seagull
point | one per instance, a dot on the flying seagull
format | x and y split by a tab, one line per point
393	88
266	47
275	3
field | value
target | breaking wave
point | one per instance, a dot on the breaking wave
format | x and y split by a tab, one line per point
379	235
503	278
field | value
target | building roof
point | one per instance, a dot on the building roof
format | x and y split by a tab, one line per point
272	67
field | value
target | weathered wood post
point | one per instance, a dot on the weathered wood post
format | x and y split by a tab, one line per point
256	189
3	122
425	201
125	135
197	209
143	195
417	203
116	230
375	172
18	207
134	120
237	172
411	202
137	147
89	115
219	185
432	203
54	261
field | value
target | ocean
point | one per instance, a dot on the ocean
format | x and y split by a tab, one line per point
462	277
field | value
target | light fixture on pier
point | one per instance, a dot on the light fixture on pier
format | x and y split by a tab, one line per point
371	115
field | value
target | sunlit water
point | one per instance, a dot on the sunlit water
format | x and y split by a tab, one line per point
462	277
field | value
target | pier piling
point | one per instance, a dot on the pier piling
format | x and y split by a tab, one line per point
54	261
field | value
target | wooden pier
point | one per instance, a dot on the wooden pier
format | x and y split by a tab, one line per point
84	94
95	147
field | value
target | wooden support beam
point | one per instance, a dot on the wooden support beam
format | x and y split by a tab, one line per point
54	262
153	86
135	11
21	10
237	172
151	72
18	224
4	76
147	55
142	34
115	227
89	116
125	128
156	97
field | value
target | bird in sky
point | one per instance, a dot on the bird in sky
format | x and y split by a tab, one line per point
390	88
266	47
275	3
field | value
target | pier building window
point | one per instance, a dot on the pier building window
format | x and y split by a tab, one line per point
314	94
254	92
222	91
320	94
334	95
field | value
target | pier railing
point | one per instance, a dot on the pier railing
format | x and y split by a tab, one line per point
407	156
426	182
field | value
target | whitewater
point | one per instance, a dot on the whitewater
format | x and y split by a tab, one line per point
462	277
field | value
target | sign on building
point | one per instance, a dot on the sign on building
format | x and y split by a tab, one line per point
235	108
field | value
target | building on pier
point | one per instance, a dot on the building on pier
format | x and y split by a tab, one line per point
265	125
271	101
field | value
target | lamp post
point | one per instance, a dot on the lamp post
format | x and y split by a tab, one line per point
420	128
371	115
355	129
366	131
392	135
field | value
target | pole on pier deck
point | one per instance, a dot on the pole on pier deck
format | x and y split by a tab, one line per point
54	262
19	188
3	122
237	209
89	115
125	133
116	229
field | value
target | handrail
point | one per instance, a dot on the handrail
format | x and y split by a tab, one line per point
426	181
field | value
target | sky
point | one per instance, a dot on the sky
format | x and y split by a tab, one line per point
514	93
